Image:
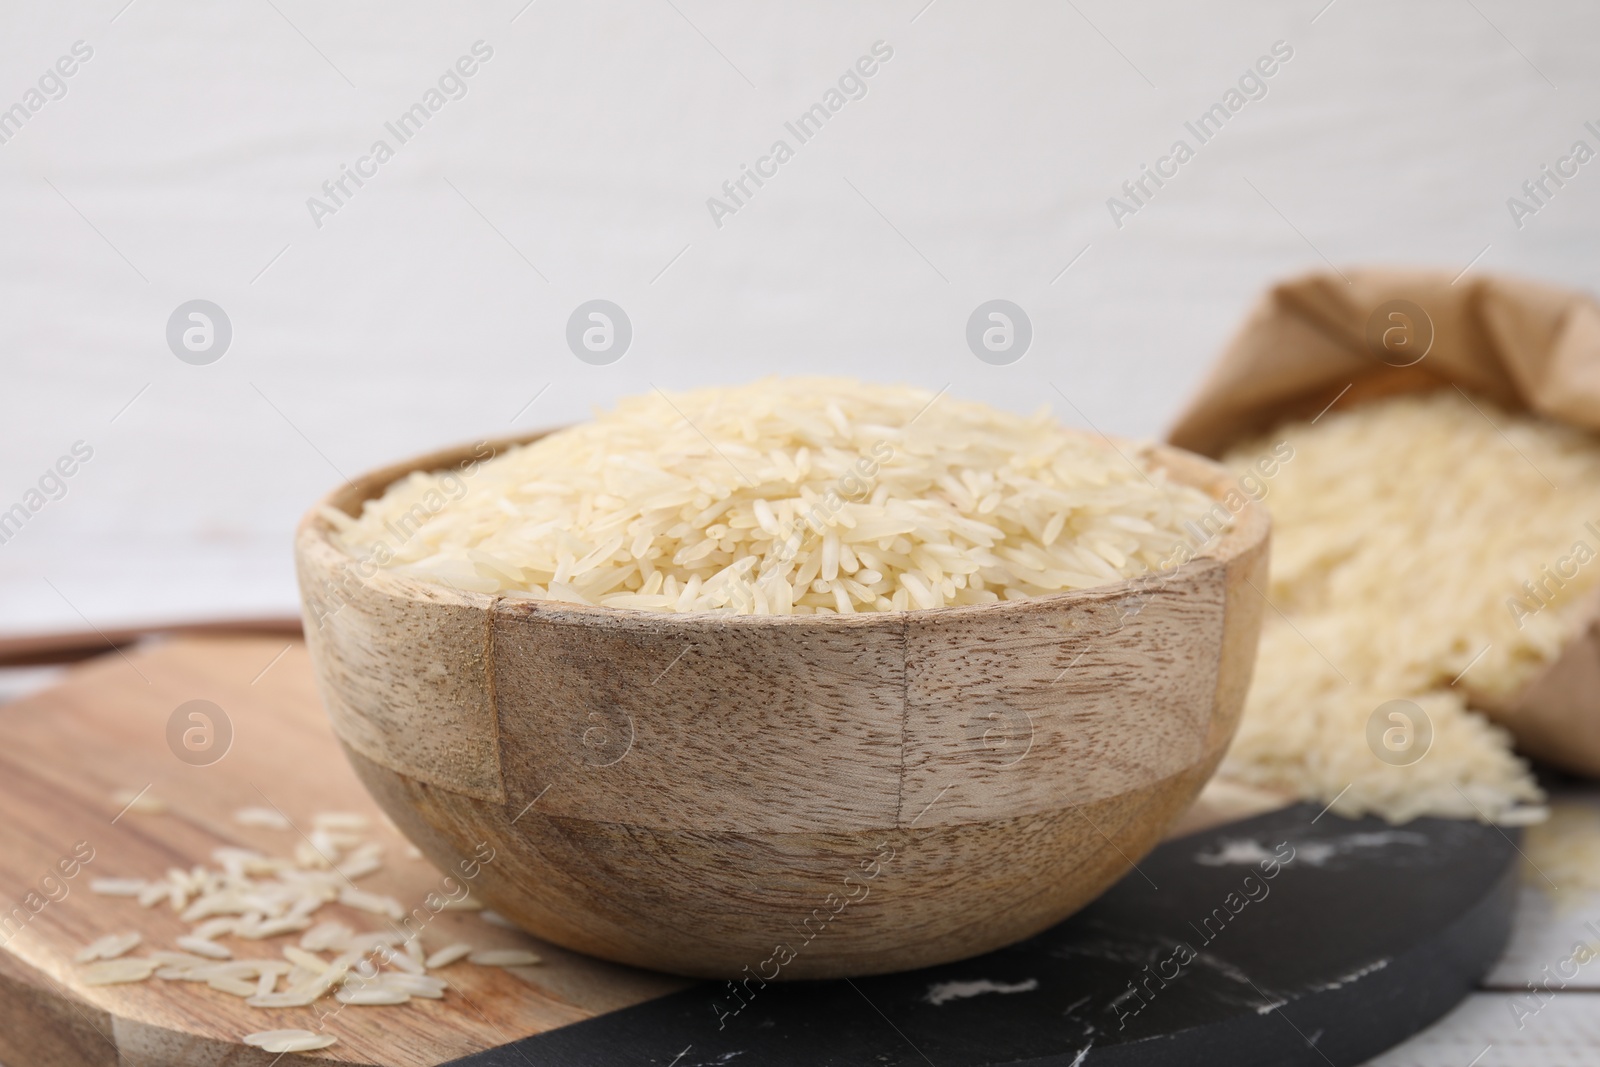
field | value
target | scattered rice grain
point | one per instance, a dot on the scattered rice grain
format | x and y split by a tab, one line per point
108	947
371	997
118	971
504	957
202	947
281	1041
448	955
269	818
140	801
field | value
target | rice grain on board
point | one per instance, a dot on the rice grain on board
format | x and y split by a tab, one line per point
109	947
270	818
117	971
452	953
257	897
282	1041
503	957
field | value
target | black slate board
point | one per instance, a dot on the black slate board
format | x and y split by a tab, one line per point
1368	934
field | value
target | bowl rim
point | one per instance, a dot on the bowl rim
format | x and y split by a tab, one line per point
313	543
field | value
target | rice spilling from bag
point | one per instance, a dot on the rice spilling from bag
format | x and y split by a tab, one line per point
802	496
1404	532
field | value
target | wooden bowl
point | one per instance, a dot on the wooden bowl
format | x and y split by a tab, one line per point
782	797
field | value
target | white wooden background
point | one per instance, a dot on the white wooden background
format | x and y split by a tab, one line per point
1556	912
431	308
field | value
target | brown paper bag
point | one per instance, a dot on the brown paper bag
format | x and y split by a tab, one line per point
1320	340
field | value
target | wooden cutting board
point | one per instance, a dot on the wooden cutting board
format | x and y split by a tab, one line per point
66	751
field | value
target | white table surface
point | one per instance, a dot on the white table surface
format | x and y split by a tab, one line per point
431	308
1496	1026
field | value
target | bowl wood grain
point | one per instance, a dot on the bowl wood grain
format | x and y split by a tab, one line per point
784	797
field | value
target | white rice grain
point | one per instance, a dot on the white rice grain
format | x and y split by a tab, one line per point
767	498
139	801
1403	530
108	947
504	957
281	1041
202	947
269	818
372	996
118	971
448	955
